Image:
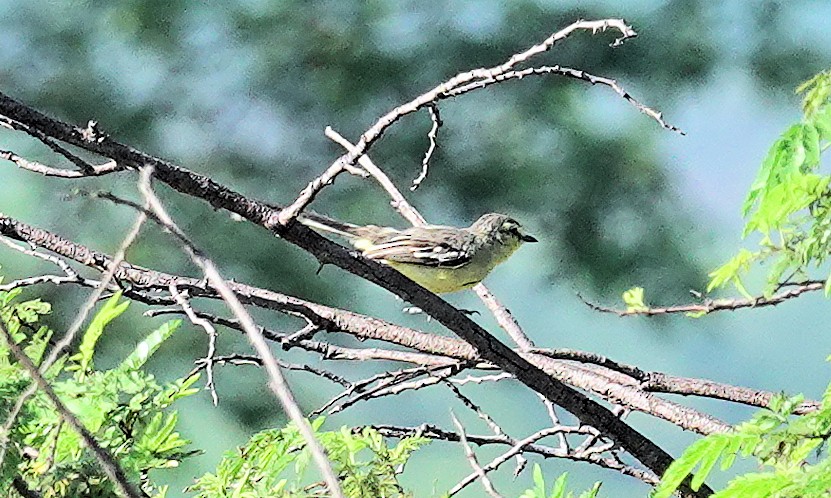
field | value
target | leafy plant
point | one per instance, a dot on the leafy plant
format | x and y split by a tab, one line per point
274	463
633	298
789	203
558	490
124	408
789	450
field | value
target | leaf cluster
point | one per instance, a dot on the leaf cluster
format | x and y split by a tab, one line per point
790	451
789	203
124	408
558	489
275	463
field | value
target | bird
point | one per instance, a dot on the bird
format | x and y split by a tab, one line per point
442	259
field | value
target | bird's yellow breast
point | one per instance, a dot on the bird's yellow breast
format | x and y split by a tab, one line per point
441	280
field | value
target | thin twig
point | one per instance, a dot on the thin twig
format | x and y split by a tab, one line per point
396	386
209	329
308	194
481	379
36	167
435	118
471	458
504	457
382	380
241	359
436	433
474	408
399	203
69	276
555	420
85	168
570	73
503	317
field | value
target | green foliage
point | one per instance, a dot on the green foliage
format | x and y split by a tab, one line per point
274	464
124	408
109	312
558	490
789	451
633	298
789	203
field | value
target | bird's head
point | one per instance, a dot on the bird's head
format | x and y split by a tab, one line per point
504	229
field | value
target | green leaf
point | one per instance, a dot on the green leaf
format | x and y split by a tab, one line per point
109	312
559	488
810	142
633	298
755	486
783	158
539	481
822	122
817	92
731	271
794	193
708	461
703	452
145	349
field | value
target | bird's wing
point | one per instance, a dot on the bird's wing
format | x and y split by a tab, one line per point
416	247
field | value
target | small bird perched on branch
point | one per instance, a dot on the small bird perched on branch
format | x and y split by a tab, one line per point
439	258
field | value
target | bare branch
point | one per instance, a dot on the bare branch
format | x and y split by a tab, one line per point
240	359
85	168
478	471
207	326
396	384
399	203
504	317
36	167
382	380
712	305
220	197
475	408
431	136
445	90
570	73
437	433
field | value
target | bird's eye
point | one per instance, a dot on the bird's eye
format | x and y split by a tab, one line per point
510	227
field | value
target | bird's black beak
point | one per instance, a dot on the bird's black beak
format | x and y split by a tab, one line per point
528	238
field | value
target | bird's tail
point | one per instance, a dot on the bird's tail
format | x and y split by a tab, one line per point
325	224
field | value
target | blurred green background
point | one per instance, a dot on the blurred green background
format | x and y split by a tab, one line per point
242	90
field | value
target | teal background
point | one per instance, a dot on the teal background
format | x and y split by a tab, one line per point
241	91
